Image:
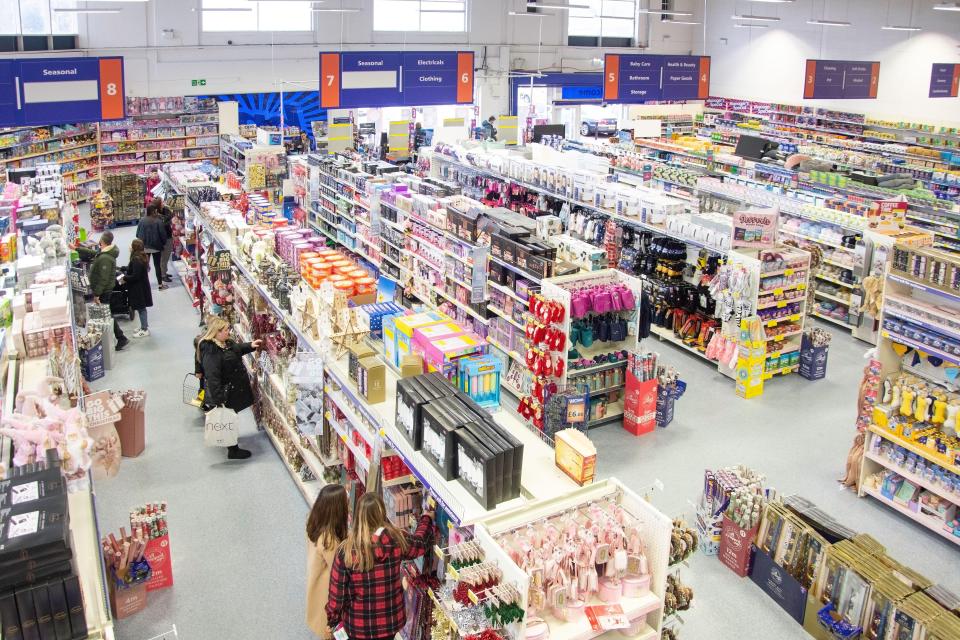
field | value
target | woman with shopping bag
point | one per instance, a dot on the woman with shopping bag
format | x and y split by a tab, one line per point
226	383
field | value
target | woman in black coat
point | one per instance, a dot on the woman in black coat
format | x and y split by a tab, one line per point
137	280
153	232
225	379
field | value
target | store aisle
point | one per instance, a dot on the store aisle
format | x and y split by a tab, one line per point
236	528
797	433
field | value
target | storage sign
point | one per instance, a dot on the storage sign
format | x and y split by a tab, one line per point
55	90
646	78
395	79
841	79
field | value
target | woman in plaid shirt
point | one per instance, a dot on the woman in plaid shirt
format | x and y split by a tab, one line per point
366	593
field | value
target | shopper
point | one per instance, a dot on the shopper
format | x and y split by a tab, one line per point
489	131
225	379
167	216
137	279
366	594
152	232
103	277
153	179
326	529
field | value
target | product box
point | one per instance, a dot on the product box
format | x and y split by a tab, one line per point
423	337
639	405
131	428
58	609
813	360
357	352
412	395
124	602
411	365
502	478
390	338
735	546
476	465
514	448
574	457
439	354
372	379
778	584
157	554
406	325
441	421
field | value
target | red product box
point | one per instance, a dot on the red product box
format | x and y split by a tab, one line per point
735	546
158	555
639	405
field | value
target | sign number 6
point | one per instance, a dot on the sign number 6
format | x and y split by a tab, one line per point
465	78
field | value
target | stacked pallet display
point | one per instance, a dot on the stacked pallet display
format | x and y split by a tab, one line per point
911	458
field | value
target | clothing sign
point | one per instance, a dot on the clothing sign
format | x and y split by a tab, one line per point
646	78
841	79
395	78
944	81
55	90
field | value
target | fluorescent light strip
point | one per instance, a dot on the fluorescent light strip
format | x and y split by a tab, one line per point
757	18
531	4
747	25
947	6
522	14
654	12
227	9
680	22
775	1
894	27
829	23
335	10
86	10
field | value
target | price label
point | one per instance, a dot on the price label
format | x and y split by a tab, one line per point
781	305
343	437
788	272
778	338
772	323
453	573
473	597
438	551
778	292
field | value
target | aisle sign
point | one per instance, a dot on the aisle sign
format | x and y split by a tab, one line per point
646	78
55	90
841	79
944	80
395	78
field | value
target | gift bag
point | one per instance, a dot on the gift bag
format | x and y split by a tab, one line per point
221	427
105	452
131	426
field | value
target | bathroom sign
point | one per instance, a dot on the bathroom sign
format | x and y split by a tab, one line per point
395	78
841	79
945	80
55	90
646	78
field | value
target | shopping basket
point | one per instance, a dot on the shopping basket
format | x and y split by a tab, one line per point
192	393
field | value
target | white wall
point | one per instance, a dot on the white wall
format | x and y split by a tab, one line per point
768	64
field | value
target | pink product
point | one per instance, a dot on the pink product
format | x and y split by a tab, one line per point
571	612
443	350
636	586
537	629
423	337
611	589
601	299
636	626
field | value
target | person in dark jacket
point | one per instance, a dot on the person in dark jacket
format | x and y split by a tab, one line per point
103	277
167	216
225	379
153	233
137	280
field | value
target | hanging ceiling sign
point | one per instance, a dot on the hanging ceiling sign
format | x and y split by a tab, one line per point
944	81
43	91
351	80
647	78
841	79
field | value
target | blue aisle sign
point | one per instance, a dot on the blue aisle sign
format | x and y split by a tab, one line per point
41	91
395	79
841	79
581	93
645	78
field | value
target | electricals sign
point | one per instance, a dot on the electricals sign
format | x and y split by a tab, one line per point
395	79
42	91
841	79
645	78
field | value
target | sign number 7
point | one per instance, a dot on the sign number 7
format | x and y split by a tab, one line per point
330	80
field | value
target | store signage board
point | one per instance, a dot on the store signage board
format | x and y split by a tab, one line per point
944	80
55	90
581	93
648	78
841	80
353	80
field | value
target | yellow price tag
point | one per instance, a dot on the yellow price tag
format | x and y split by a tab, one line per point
772	323
788	272
778	292
778	338
781	304
450	525
795	317
453	573
801	286
438	551
343	437
473	597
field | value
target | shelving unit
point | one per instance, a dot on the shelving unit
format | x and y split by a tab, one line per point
146	142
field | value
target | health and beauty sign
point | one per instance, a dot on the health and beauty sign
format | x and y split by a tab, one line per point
841	79
645	78
395	78
944	80
40	91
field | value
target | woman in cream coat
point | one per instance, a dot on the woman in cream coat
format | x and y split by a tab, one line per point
326	529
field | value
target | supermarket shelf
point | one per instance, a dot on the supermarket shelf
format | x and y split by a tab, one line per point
767	375
503	314
784	336
633	608
953	297
920	346
476	316
916	448
510	292
780	290
837	321
667	335
516	269
311	489
827	243
52	151
830	296
167	161
930	522
848	285
513	354
912	477
794	317
393	482
781	303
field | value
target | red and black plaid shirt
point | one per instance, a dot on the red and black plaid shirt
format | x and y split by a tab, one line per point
370	603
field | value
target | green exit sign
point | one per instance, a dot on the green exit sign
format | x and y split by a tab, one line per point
198	83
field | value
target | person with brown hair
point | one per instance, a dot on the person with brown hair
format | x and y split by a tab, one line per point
326	529
366	592
138	286
152	231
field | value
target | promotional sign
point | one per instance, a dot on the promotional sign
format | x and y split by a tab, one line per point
841	79
944	81
581	93
754	228
645	78
53	90
395	78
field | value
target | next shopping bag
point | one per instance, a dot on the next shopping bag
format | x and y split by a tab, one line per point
221	427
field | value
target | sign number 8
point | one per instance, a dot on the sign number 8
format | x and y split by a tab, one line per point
112	89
